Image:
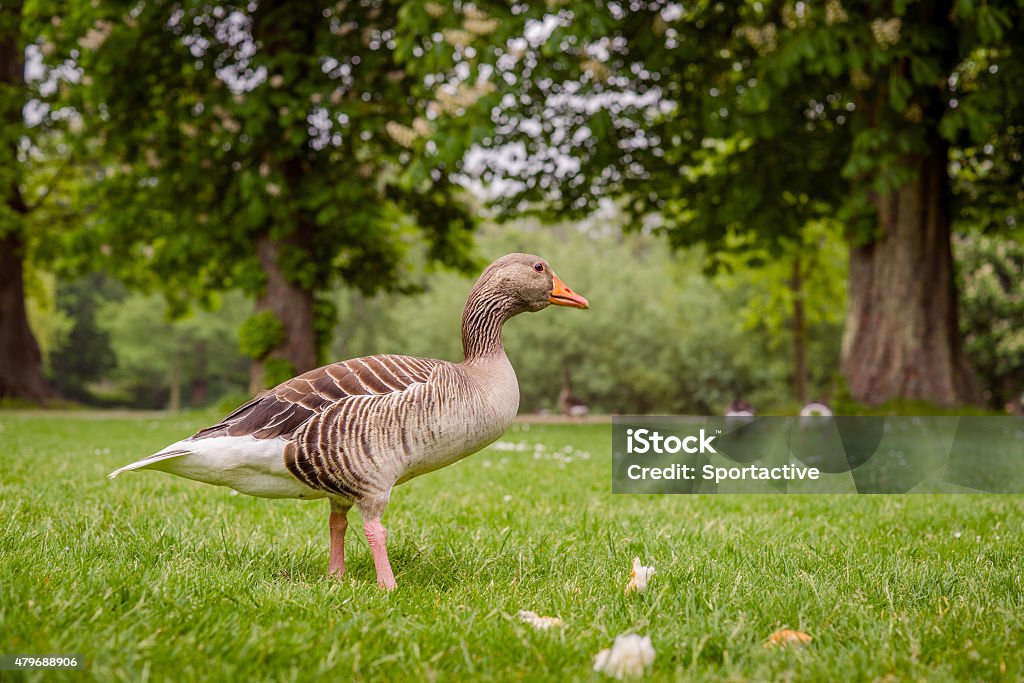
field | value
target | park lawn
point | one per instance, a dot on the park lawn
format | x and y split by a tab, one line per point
151	576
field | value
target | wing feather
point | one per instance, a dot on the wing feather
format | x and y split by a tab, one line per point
281	411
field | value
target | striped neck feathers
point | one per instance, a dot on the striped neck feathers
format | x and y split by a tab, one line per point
486	311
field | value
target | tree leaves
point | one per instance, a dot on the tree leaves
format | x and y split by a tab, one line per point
222	124
852	92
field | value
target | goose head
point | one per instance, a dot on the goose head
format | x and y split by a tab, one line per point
522	283
514	284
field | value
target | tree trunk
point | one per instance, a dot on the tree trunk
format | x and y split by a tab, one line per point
293	306
199	389
799	333
901	338
21	363
174	402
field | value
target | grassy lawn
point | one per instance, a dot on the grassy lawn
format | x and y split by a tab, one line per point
151	576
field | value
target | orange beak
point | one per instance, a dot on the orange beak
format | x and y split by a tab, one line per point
563	296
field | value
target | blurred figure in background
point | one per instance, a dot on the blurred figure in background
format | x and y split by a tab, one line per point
570	405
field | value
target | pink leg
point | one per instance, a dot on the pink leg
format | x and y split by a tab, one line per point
338	524
376	534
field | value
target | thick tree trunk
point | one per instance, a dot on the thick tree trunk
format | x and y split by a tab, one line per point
901	338
21	363
293	306
796	285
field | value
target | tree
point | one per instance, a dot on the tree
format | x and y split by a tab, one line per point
84	354
762	115
21	363
991	275
162	363
255	146
792	293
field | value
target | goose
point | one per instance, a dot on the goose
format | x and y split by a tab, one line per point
570	405
353	430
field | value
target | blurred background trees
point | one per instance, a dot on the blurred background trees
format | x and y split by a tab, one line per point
759	198
244	147
991	279
711	118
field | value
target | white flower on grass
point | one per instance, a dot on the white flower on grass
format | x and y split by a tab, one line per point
628	657
539	622
638	577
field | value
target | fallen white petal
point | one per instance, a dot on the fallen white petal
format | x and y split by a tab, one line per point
639	576
628	657
539	622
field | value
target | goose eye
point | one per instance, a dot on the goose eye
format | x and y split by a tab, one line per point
539	267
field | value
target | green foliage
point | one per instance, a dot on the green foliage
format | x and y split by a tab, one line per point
261	333
13	96
767	278
277	370
84	354
50	325
761	281
120	348
730	117
211	127
991	274
198	352
325	319
659	336
231	400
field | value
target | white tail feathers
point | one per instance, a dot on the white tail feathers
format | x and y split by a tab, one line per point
247	464
147	461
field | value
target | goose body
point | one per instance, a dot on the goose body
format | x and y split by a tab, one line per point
351	431
350	428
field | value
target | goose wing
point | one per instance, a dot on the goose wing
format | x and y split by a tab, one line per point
255	434
281	411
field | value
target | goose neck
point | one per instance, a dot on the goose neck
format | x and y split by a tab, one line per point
482	319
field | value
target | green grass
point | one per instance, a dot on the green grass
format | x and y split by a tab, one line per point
151	576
